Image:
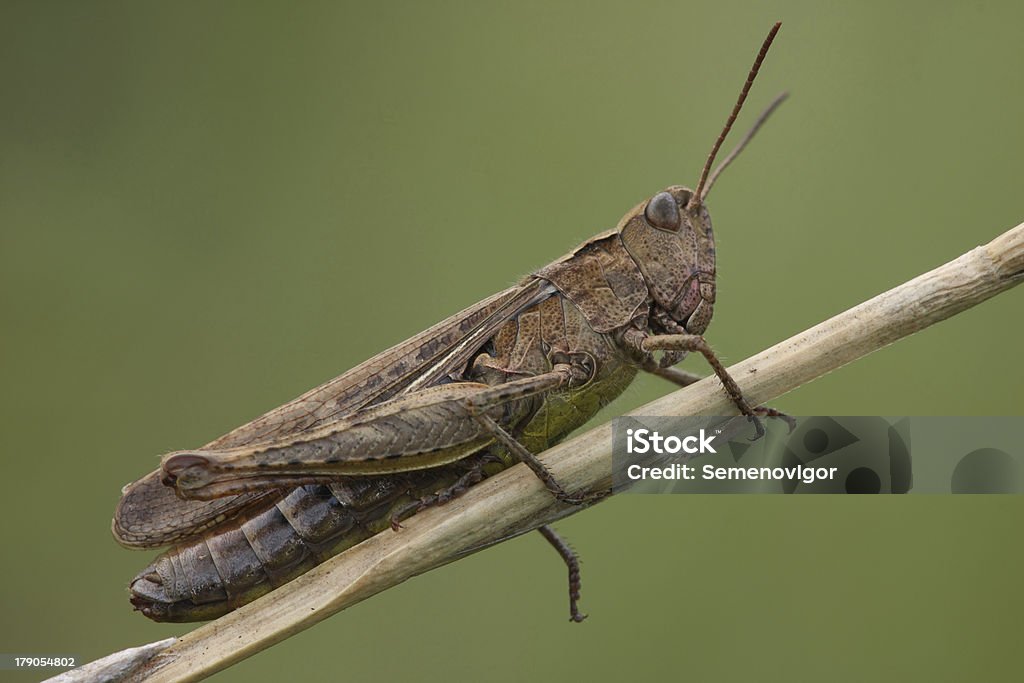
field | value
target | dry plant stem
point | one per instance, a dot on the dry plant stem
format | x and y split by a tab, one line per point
515	501
113	667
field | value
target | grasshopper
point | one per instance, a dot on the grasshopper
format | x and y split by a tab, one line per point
421	422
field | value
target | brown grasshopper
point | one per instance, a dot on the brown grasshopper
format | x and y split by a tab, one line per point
421	422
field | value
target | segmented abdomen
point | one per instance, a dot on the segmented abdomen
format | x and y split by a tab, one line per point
227	568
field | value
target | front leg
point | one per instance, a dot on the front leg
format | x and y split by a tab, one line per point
678	377
646	344
683	378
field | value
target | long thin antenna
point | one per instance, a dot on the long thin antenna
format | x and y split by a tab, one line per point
743	143
695	200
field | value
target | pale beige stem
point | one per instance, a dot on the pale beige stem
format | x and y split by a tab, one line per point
113	667
518	499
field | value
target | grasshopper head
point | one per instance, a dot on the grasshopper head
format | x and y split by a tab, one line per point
669	237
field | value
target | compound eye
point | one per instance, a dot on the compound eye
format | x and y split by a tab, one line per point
663	212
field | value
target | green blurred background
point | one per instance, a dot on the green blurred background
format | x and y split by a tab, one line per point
207	208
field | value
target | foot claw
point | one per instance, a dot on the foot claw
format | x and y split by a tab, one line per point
765	411
757	425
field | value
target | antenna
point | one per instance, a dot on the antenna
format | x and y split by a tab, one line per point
698	194
779	99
